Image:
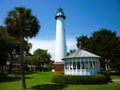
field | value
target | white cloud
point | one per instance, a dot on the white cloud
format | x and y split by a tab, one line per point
71	44
50	45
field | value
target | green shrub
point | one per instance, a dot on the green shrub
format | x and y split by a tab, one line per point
100	79
76	79
106	74
57	78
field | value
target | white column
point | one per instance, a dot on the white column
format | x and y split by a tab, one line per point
95	66
99	65
72	66
69	67
92	66
80	66
76	66
82	63
88	67
84	67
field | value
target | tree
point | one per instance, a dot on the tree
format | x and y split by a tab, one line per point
6	44
14	51
82	42
116	56
3	51
11	52
104	43
71	51
41	58
22	24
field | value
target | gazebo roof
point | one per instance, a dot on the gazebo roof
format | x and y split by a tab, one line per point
80	54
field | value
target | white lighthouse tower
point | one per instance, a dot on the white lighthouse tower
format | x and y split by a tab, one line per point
60	47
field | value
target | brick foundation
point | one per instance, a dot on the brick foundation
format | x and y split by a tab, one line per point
59	67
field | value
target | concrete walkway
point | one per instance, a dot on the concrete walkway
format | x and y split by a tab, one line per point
116	80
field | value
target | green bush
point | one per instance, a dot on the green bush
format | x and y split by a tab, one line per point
100	79
76	79
106	74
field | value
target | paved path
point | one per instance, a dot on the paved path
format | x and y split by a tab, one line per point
116	80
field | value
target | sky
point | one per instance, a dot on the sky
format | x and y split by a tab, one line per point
83	17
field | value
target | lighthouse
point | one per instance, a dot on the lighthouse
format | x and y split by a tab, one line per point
60	45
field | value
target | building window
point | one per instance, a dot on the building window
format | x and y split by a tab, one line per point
74	65
93	65
78	65
90	65
71	66
86	65
82	63
66	65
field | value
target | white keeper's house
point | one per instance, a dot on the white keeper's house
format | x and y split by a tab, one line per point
81	62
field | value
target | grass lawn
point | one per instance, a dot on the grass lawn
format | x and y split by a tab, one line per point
42	81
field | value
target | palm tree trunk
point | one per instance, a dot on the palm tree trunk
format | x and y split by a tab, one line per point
22	66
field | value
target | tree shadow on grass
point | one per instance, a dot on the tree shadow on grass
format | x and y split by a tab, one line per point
9	79
49	87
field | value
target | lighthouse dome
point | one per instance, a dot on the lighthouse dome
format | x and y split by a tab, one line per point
60	13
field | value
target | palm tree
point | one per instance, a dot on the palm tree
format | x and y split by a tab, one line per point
71	51
82	42
22	24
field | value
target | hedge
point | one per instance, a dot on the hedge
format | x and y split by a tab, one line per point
106	74
76	79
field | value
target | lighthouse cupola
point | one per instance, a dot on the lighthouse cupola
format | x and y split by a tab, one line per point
60	13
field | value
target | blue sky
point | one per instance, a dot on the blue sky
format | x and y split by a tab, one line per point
83	17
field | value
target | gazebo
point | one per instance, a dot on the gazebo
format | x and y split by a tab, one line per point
81	62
